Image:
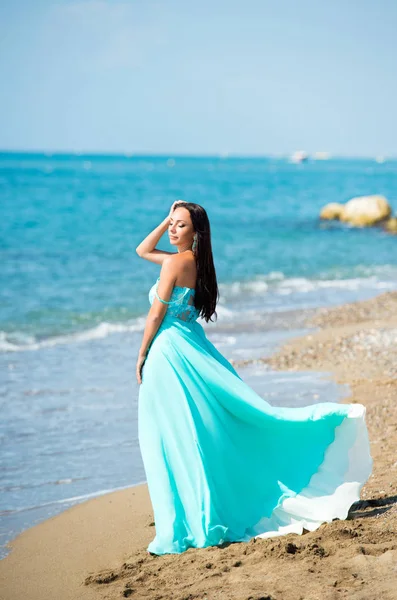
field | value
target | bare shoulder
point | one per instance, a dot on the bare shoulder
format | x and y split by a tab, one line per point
171	262
183	266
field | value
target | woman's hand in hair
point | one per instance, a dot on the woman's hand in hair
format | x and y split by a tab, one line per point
173	206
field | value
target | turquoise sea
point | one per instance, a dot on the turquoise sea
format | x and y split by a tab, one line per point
74	296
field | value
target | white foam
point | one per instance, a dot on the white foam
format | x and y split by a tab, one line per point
102	330
285	286
274	282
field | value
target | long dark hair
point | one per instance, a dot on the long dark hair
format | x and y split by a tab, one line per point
207	292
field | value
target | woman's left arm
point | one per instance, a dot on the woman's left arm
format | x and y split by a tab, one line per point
168	275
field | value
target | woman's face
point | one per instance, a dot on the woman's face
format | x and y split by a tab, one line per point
180	228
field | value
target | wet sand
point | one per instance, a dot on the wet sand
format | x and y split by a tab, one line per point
97	549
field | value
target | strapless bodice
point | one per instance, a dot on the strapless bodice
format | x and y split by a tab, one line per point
181	303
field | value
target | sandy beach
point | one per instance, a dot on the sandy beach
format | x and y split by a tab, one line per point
97	549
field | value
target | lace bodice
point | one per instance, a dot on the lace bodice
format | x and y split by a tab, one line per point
181	303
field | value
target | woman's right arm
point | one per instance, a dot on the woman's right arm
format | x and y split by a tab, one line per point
147	249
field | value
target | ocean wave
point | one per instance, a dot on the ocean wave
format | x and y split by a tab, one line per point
378	278
307	285
17	341
275	283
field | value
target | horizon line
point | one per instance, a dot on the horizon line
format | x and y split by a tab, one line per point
224	155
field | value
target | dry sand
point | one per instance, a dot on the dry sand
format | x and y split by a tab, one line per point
98	549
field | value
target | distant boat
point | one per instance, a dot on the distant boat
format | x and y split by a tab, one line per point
299	156
380	159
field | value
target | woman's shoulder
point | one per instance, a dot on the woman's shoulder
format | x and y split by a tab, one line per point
182	258
185	266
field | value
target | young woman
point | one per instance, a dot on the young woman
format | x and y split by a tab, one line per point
223	465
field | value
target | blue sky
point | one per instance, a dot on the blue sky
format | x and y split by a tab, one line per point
249	78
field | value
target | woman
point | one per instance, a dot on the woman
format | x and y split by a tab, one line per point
223	465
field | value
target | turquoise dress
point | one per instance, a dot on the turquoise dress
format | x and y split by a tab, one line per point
223	465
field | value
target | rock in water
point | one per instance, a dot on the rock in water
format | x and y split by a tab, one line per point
391	225
365	211
333	210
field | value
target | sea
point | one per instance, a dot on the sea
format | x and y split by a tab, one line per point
74	298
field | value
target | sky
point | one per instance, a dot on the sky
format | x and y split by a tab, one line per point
251	77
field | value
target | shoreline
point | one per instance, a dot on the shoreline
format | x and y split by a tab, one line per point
97	548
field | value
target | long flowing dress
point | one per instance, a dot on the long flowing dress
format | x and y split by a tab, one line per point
222	464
